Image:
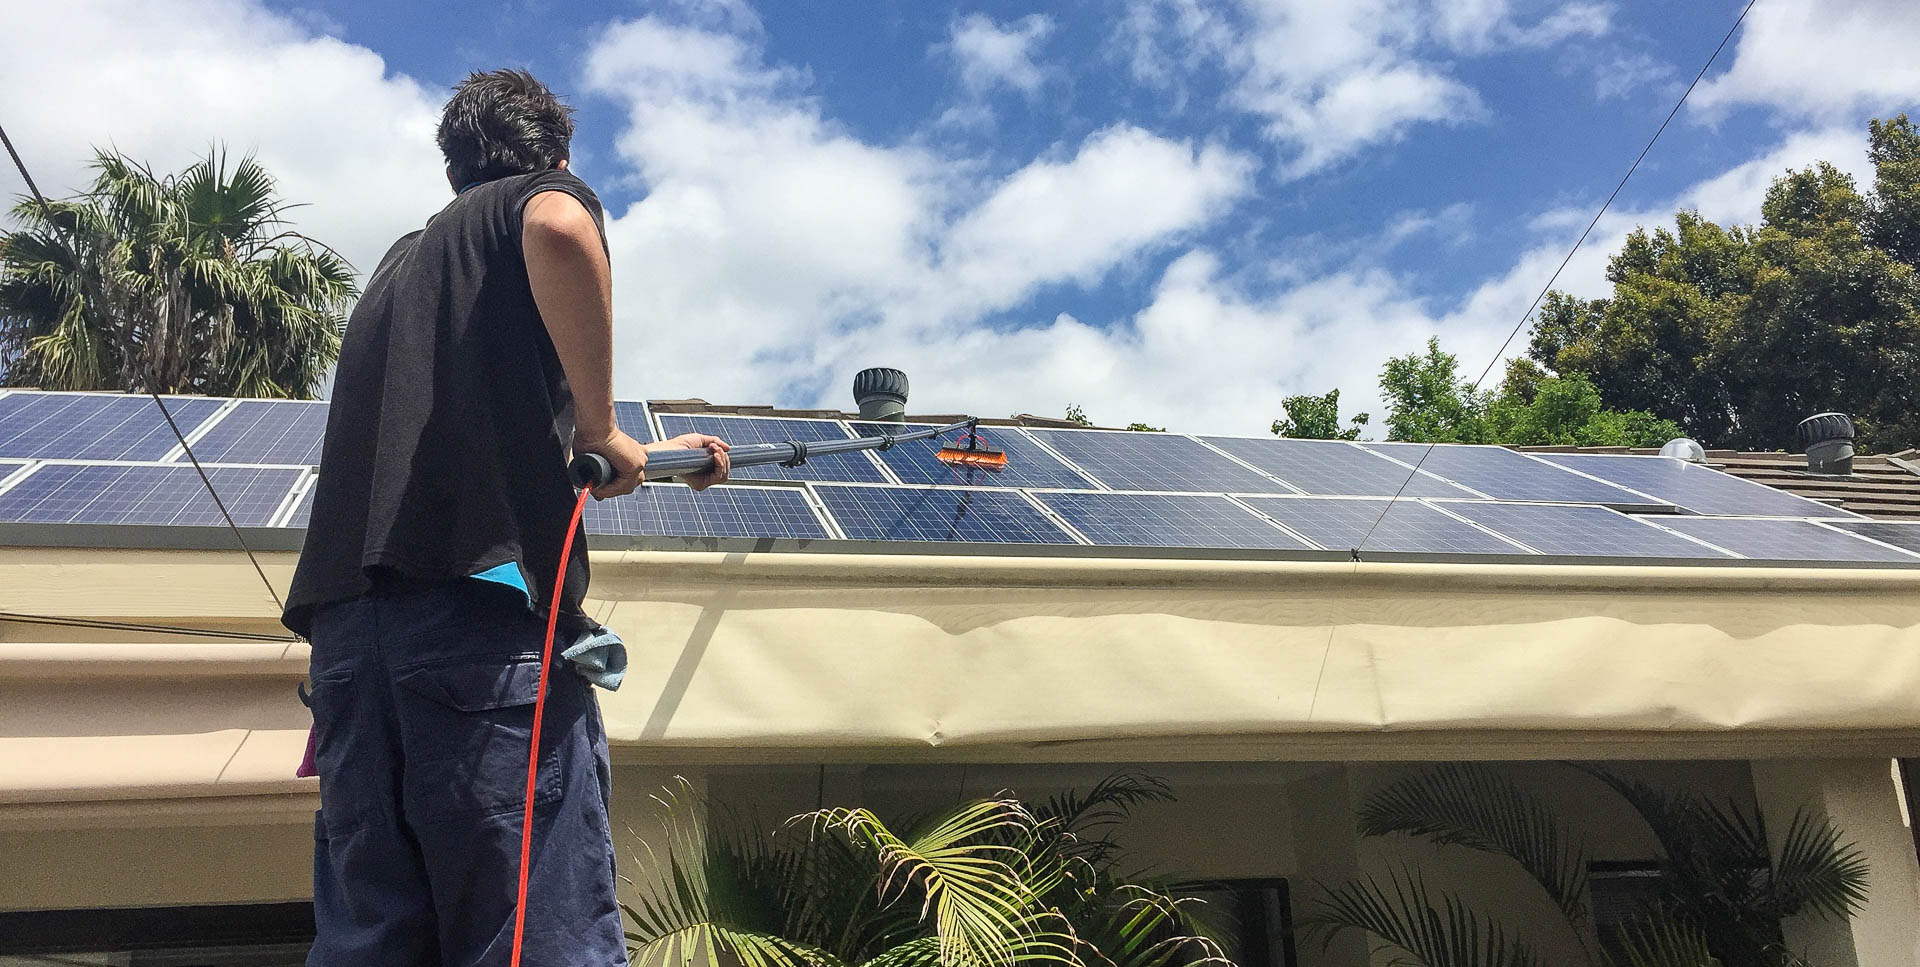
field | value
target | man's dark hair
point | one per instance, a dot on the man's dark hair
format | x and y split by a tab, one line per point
501	123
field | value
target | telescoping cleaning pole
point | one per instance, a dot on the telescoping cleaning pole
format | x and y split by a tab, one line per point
588	468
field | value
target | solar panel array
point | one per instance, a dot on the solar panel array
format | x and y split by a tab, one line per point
97	458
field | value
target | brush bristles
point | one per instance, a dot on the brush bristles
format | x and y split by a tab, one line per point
988	459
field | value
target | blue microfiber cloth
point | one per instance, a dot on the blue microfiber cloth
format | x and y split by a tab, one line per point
600	655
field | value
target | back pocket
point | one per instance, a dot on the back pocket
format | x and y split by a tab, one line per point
466	725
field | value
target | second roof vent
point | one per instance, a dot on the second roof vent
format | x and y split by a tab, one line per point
881	393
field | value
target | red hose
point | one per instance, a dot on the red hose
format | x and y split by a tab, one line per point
539	713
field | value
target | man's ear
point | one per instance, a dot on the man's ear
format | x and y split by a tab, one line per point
451	182
560	165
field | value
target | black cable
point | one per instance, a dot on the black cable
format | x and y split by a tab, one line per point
47	210
1563	264
106	625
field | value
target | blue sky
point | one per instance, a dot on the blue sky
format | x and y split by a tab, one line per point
1174	211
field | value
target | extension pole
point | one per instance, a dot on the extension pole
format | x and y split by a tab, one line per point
662	464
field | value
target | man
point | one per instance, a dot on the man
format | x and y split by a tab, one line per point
479	356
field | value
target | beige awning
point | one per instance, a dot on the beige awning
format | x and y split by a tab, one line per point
840	657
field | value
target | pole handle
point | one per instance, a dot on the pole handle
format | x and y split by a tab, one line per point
589	470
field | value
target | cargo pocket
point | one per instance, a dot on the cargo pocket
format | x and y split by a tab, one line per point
466	725
334	738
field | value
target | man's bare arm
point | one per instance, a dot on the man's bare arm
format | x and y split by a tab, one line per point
573	289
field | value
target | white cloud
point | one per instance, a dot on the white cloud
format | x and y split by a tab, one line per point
1331	79
1821	59
776	252
991	55
342	133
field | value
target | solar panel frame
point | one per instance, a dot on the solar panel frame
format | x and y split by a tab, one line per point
1580	530
1377	475
1781	539
97	426
665	510
1181	517
1504	474
1149	462
1029	464
885	512
833	467
1901	534
1700	489
261	432
1405	526
151	494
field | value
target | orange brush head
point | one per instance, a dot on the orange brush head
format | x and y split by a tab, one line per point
972	451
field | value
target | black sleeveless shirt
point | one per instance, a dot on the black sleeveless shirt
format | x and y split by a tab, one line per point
450	418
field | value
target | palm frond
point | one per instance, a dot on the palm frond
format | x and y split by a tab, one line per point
968	879
1134	925
1404	914
1661	942
1471	805
1817	873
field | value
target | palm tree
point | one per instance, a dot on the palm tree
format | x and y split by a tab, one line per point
1723	889
989	883
179	283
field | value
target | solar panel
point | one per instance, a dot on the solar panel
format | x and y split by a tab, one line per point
1125	460
756	429
1578	531
1167	520
1784	540
1409	526
1697	488
265	431
1898	534
10	467
632	417
95	426
672	510
1335	468
1504	474
926	514
65	493
1028	464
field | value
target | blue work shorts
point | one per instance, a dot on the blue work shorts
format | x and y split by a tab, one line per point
423	710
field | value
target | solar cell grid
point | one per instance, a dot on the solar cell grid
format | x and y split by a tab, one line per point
61	493
1902	535
1785	540
753	429
1702	490
926	514
265	431
1156	461
302	511
1167	520
1504	474
672	510
1409	526
1578	531
1335	468
90	426
632	417
1028	464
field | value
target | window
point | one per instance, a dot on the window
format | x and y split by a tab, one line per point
240	935
1253	915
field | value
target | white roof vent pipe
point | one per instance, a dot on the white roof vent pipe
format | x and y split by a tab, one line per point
881	394
1689	450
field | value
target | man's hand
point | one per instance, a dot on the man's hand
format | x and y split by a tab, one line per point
699	441
626	454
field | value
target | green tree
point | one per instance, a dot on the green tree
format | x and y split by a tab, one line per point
1736	334
988	883
179	283
1312	417
1428	402
1535	409
1077	414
